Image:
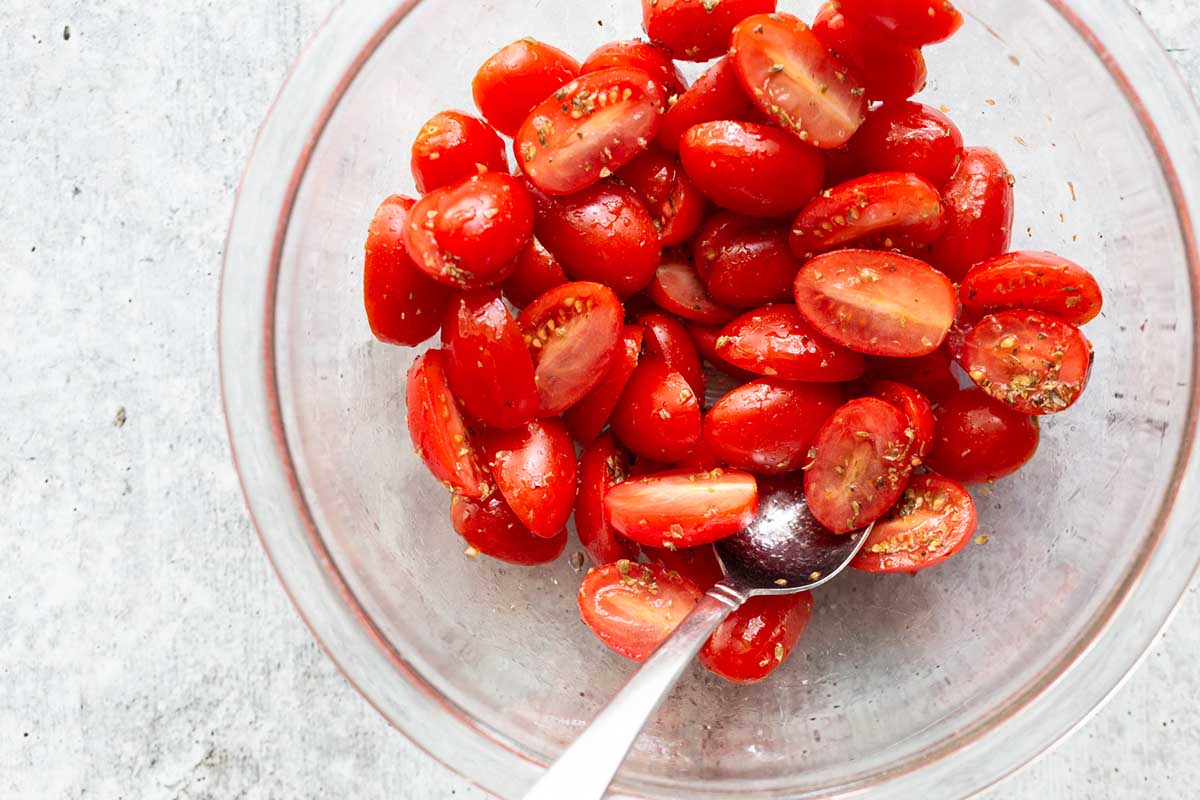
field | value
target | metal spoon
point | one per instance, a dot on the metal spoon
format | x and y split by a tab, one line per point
784	551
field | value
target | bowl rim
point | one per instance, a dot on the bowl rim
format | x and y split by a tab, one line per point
1047	709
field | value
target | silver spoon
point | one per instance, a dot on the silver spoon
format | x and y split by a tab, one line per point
784	551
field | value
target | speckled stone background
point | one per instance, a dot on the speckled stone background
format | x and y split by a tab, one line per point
146	650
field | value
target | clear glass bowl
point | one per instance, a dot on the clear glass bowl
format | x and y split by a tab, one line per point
936	685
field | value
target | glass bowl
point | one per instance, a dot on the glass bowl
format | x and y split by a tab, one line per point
938	684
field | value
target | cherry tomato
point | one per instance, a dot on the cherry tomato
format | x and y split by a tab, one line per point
491	528
669	340
633	608
564	151
956	340
677	288
536	273
756	638
979	213
682	508
881	304
860	465
470	234
517	78
934	519
777	342
796	81
980	440
913	22
745	262
636	54
932	375
658	416
1036	281
916	409
573	332
768	426
487	362
698	564
403	306
882	203
889	71
534	467
602	465
716	95
841	165
452	146
1029	361
604	234
705	337
752	169
674	202
588	417
909	137
438	431
697	30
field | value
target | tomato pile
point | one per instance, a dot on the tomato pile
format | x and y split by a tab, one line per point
792	220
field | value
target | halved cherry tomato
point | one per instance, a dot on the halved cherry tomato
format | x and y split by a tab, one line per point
979	439
979	213
932	375
934	519
745	262
860	465
605	234
916	408
469	234
602	465
491	528
487	362
452	146
588	417
573	331
651	59
752	169
658	416
403	306
717	94
881	304
669	340
768	426
536	273
956	340
777	342
889	71
1036	281
438	431
633	608
756	638
534	467
697	30
682	508
1031	362
574	139
674	202
705	337
913	22
882	203
909	137
796	81
517	78
697	564
677	288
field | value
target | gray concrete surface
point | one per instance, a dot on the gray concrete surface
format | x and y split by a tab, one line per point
146	650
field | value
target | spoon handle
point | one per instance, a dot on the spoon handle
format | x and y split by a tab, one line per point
587	767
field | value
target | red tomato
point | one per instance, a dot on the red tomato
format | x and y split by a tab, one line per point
564	151
767	426
403	306
682	508
913	22
755	639
705	337
573	332
796	81
932	375
752	169
697	564
536	273
491	528
879	204
916	409
470	234
1036	281
777	342
841	165
602	465
909	137
604	234
677	288
882	304
697	30
658	416
669	340
636	54
517	78
979	213
534	468
934	519
860	465
487	362
438	431
674	203
717	94
956	340
633	608
889	71
980	440
745	262
588	417
1029	361
452	146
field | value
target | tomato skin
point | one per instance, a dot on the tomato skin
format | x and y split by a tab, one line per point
604	234
934	519
697	564
716	95
776	341
632	608
909	137
517	78
588	417
658	415
678	289
667	338
602	465
756	638
563	152
452	146
889	71
841	165
1036	281
636	54
979	213
705	337
675	204
745	262
695	30
535	469
768	426
491	527
536	272
438	430
932	374
683	508
913	22
979	439
753	169
878	204
403	306
916	408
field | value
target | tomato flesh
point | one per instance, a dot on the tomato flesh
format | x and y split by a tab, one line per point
934	519
632	608
916	408
777	342
757	638
678	289
452	146
716	95
667	338
909	137
651	59
1035	281
979	439
913	22
536	272
889	71
535	469
675	204
438	431
682	508
979	213
602	465
658	415
768	426
490	527
588	417
882	204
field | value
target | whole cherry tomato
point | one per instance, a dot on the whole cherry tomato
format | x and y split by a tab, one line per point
757	638
889	71
490	527
1035	281
716	95
909	137
658	416
979	439
452	146
602	465
768	426
934	519
651	59
535	469
979	213
633	608
697	30
438	431
517	78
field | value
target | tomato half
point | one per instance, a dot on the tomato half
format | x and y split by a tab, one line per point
756	638
889	71
534	467
536	273
698	564
517	78
716	95
678	289
491	528
980	440
875	205
776	341
1036	281
916	408
909	137
452	146
602	465
438	430
979	213
697	30
588	417
705	337
667	338
913	22
633	608
651	59
658	416
934	519
674	202
768	426
682	508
